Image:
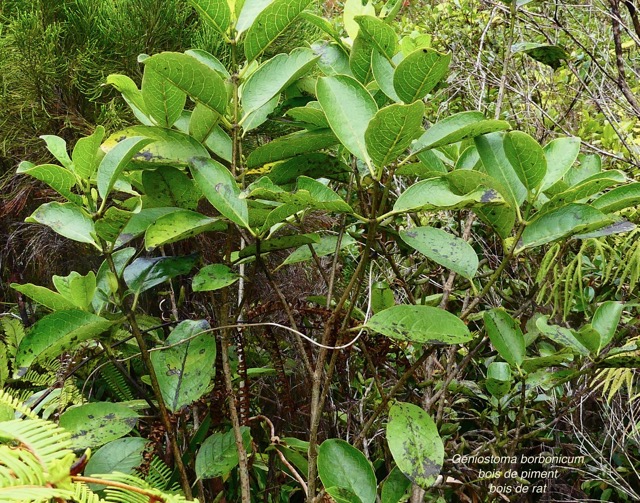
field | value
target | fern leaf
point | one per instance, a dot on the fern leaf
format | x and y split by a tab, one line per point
13	331
116	382
82	494
159	476
44	439
15	404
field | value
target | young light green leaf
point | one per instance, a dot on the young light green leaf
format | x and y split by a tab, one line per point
619	198
560	153
379	34
192	77
144	273
220	188
498	381
58	148
44	296
353	8
415	444
443	248
185	367
213	277
419	73
527	158
94	424
333	60
273	76
163	101
218	454
247	12
326	246
77	289
179	225
130	93
270	23
561	223
87	154
56	333
391	131
349	107
342	466
291	145
66	219
497	165
505	335
114	162
457	127
58	178
421	324
605	321
215	13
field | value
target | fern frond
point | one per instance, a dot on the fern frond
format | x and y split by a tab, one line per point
82	494
116	382
13	333
32	494
159	475
138	491
44	379
44	439
15	404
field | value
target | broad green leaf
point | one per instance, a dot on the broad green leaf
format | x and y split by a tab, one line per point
270	23
309	194
616	227
44	296
218	454
314	165
353	8
66	219
220	144
291	145
589	165
383	73
114	162
333	60
560	153
186	365
379	34
547	54
381	296
112	223
123	455
144	273
311	114
527	158
202	122
391	131
278	243
193	77
215	13
249	12
438	193
443	248
561	223
322	23
584	189
326	246
605	321
96	423
58	148
589	337
213	277
342	495
106	280
139	222
496	164
208	59
418	73
421	324
394	487
179	225
87	154
360	60
498	381
619	198
58	178
342	466
169	186
77	289
469	159
505	335
349	107
166	147
458	127
415	444
56	333
220	188
163	101
542	362
130	93
273	76
561	335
